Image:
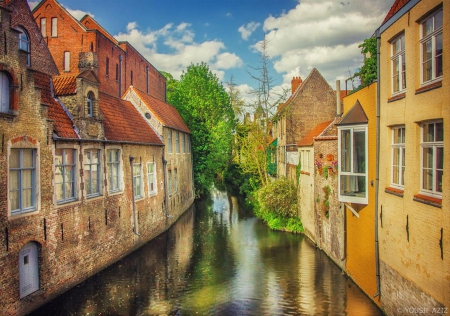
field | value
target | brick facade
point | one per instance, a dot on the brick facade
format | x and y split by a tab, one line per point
77	236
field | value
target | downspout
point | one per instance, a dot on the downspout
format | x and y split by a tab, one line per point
377	172
133	198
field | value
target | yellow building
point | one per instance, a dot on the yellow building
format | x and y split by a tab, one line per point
356	190
414	188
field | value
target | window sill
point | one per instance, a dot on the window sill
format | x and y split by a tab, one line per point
430	86
394	191
115	192
10	113
436	202
397	97
305	172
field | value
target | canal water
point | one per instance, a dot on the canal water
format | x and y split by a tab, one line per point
218	259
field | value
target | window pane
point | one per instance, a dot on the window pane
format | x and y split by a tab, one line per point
14	200
359	152
439	174
428	157
395	177
427	26
59	191
14	180
353	185
345	151
94	156
439	131
438	20
438	55
27	198
403	72
427	179
439	157
87	157
14	158
428	133
27	178
27	156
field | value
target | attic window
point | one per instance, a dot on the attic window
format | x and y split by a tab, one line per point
148	116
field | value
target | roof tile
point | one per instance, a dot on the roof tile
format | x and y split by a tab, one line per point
65	84
308	140
398	4
122	122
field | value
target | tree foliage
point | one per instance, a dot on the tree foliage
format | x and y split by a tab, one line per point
368	71
279	197
205	107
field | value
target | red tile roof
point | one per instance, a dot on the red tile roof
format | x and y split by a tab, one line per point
65	84
62	123
398	4
122	122
308	140
165	113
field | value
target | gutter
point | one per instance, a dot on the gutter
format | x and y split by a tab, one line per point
377	172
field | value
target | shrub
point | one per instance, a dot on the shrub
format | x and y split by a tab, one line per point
279	197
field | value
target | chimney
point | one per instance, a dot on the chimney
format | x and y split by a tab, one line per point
338	98
296	81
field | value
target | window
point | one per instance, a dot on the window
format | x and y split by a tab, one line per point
65	168
304	160
92	172
169	182
151	176
183	144
175	180
44	27
431	45
66	61
137	181
177	142
432	148
22	180
117	72
169	141
4	92
24	43
398	64
113	161
353	164
90	104
398	157
107	67
54	27
131	77
188	143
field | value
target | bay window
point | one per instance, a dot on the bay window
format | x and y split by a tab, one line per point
353	164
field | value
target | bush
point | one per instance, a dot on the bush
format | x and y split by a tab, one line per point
278	197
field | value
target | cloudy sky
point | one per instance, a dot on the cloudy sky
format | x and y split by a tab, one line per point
301	34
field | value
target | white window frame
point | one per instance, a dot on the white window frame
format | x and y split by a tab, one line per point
400	164
151	178
54	27
137	179
114	170
88	175
4	92
436	146
169	141
431	37
67	61
398	57
20	188
44	27
63	165
342	173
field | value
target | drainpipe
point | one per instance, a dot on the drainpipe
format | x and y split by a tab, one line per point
133	198
377	172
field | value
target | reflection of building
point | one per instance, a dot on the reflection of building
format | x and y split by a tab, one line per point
414	194
356	190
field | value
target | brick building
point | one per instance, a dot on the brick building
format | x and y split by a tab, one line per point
82	172
312	101
85	45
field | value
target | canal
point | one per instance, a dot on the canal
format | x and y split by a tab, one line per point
218	259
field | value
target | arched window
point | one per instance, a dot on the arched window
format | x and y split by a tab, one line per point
4	92
24	43
28	269
90	104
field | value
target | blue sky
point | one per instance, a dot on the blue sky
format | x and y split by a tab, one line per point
301	34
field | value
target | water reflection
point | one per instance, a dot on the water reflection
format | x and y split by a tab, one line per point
218	259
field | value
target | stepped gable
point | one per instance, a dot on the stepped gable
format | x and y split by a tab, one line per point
123	123
308	140
166	113
62	123
398	4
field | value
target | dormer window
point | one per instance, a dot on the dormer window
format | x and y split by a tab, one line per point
90	104
24	43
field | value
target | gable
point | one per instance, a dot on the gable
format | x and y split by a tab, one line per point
355	115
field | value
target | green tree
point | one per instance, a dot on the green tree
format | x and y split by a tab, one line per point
368	71
205	107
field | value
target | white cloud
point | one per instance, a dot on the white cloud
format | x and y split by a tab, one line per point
180	48
247	30
322	34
